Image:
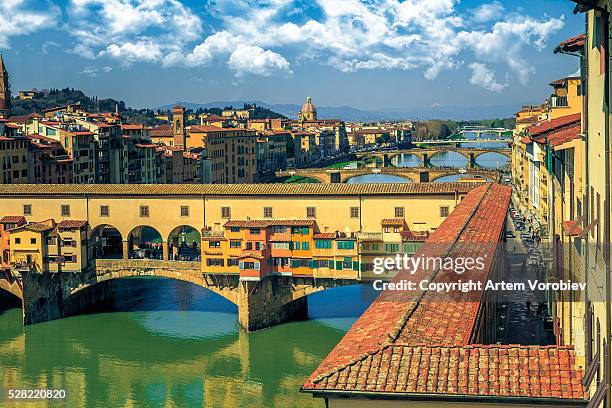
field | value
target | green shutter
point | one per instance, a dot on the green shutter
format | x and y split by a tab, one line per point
331	264
356	266
294	263
311	264
338	265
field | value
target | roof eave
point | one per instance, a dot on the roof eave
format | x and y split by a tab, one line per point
433	398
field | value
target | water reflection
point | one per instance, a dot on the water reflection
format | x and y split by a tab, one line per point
170	343
406	160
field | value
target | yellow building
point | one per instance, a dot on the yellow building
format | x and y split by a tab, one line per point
566	98
49	247
593	232
14	160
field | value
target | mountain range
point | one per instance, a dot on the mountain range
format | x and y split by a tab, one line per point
348	113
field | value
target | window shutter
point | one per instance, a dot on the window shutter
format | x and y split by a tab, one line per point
338	265
356	266
241	265
331	264
294	263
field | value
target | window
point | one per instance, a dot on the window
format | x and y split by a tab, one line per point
443	211
323	244
215	262
27	209
346	244
267	213
354	212
310	212
235	244
235	229
226	212
305	246
214	244
184	211
399	212
254	231
347	262
104	211
280	245
32	240
300	230
296	245
65	210
18	240
249	265
279	229
392	248
144	210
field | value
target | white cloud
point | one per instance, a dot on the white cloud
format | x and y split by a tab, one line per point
261	38
131	30
482	76
129	53
94	71
248	59
487	12
19	17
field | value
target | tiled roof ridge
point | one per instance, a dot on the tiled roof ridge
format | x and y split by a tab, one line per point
390	337
400	324
238	189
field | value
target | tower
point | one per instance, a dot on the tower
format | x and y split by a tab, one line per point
308	111
178	126
5	90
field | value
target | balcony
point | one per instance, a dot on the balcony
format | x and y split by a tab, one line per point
558	102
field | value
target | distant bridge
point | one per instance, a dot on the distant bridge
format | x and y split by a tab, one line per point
413	174
479	130
471	154
456	142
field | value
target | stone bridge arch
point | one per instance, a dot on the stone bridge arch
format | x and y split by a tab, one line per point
107	242
144	241
407	178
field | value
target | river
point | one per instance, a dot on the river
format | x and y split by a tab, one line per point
446	159
166	343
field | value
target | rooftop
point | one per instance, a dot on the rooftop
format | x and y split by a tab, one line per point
416	344
236	189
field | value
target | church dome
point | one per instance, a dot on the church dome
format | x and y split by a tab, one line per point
308	106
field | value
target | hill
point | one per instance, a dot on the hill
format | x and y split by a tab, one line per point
59	97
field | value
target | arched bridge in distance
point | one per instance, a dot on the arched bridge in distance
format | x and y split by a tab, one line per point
426	154
410	174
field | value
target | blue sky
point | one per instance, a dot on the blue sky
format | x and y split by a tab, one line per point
369	54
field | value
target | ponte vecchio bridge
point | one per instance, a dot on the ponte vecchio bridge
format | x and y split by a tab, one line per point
116	215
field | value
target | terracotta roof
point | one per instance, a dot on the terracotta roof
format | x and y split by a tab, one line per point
251	255
564	135
393	221
571	44
418	342
206	128
267	223
306	189
491	370
71	224
12	219
325	235
547	126
35	226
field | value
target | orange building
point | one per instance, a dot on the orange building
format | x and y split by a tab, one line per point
7	223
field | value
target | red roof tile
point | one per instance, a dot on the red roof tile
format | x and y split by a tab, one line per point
71	224
325	235
418	342
564	135
571	228
547	126
571	44
12	219
393	221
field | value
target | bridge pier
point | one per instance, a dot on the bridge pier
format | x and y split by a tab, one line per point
472	161
48	296
269	302
425	160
